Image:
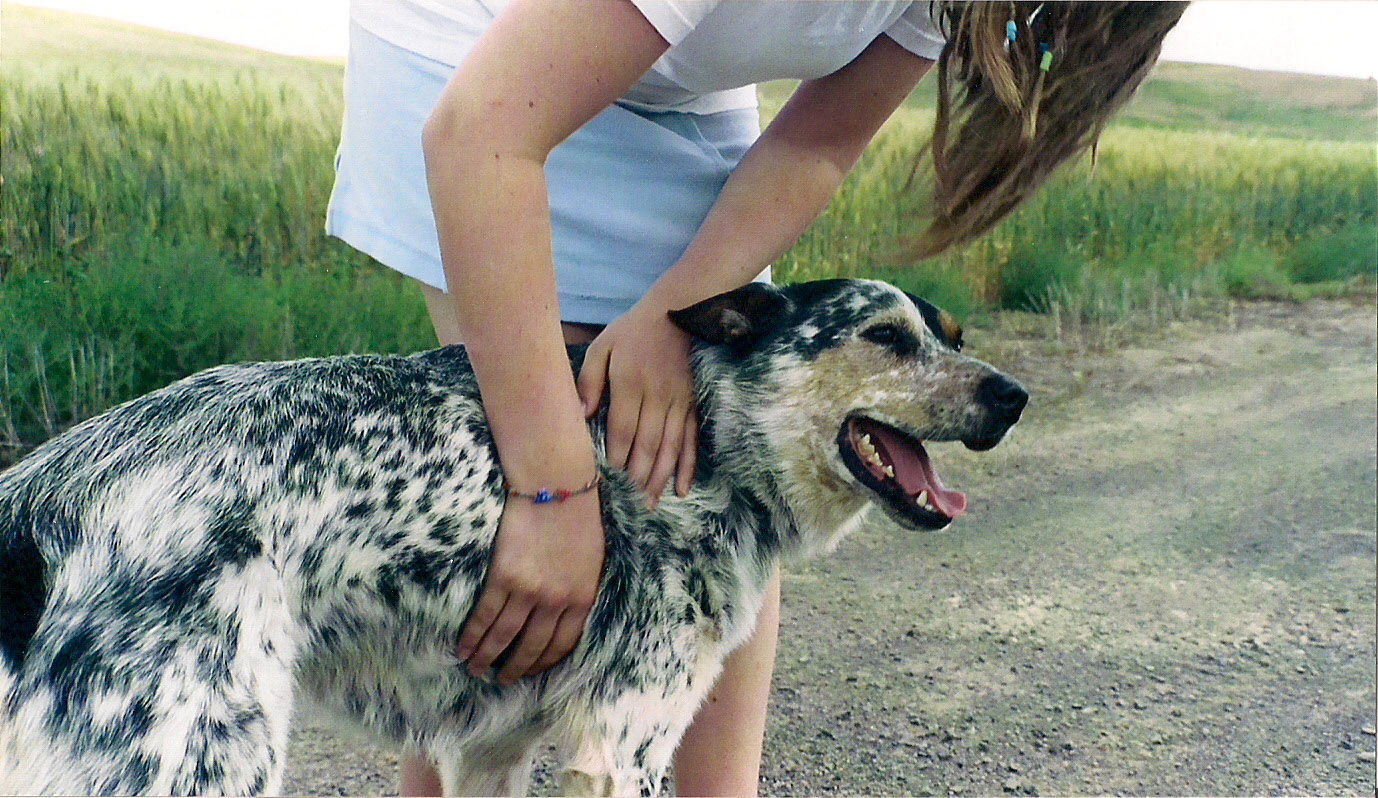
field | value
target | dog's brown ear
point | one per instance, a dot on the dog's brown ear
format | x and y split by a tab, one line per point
736	319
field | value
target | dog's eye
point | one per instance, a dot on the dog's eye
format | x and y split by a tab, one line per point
892	337
882	334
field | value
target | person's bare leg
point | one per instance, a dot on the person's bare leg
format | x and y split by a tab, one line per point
721	751
443	316
446	321
418	776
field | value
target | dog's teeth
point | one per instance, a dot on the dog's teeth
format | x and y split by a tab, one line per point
922	499
890	471
865	445
875	460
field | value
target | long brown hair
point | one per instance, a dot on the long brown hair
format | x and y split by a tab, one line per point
1004	124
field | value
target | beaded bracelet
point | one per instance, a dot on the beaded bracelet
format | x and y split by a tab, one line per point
547	496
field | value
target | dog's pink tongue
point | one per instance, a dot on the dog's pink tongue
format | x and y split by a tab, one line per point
915	474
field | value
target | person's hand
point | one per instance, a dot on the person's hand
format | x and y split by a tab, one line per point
643	361
539	588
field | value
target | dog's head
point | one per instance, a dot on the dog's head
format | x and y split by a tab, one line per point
838	385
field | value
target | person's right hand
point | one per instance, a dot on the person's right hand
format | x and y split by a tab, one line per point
641	360
539	589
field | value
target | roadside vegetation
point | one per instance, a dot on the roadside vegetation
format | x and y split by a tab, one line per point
163	200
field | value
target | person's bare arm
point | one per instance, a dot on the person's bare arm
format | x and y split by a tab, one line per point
781	185
793	171
541	71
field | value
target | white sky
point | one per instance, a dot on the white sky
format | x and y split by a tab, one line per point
1325	37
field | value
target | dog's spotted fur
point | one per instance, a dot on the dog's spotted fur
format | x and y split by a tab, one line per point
173	571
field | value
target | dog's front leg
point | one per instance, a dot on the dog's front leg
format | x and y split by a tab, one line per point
600	768
484	768
626	745
457	779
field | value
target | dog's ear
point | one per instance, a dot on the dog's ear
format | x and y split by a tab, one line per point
736	319
939	321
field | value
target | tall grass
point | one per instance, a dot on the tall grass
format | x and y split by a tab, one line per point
242	163
155	220
1167	205
154	312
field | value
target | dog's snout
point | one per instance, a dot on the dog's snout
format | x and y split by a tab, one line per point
1003	395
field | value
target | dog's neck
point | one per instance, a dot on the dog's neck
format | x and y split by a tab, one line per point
735	468
737	439
736	453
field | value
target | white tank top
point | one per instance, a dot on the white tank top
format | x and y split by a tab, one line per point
718	50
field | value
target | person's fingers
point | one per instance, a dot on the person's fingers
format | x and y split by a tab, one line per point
486	610
500	634
567	633
624	408
650	429
593	376
671	449
689	454
535	638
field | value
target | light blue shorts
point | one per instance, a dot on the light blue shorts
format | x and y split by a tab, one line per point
627	191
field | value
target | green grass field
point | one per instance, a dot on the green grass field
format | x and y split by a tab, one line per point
164	196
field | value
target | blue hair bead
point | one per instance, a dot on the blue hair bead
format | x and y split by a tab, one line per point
1011	31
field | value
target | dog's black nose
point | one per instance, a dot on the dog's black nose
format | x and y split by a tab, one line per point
1003	395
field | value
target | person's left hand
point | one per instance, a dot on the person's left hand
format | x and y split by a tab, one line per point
642	358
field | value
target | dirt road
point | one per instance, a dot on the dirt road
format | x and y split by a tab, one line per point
1165	585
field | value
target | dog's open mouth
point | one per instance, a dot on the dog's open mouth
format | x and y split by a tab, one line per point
896	467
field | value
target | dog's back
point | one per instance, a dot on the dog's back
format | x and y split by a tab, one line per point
22	580
21	602
100	599
36	523
142	598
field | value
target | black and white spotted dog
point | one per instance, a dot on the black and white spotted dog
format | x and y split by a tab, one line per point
174	571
